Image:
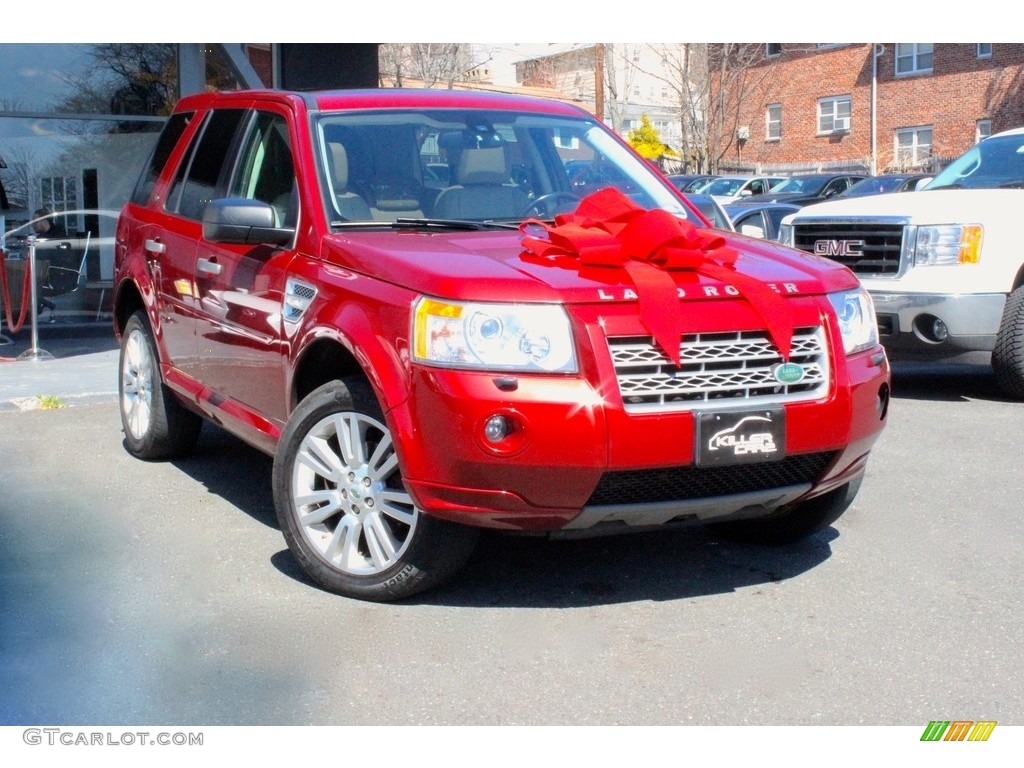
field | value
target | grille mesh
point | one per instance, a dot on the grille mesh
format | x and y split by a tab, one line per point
650	486
736	366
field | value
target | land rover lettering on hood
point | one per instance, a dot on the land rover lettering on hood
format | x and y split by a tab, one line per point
409	301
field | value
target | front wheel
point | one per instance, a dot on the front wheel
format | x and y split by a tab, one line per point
1008	354
793	522
342	506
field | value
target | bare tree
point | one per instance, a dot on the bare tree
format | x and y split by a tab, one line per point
620	72
431	63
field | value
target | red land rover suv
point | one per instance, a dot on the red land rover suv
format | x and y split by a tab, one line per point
401	297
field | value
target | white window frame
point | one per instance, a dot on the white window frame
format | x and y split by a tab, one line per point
919	151
984	50
775	135
908	58
830	111
982	130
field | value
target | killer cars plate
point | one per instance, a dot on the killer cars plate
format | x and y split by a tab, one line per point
741	437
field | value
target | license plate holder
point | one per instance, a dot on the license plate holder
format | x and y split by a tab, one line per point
726	438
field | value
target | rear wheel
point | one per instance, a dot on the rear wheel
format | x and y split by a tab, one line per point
156	425
1008	354
793	522
342	506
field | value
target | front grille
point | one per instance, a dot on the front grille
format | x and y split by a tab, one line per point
717	367
867	248
649	486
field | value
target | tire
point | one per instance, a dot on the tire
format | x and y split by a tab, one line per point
342	506
156	425
793	522
1008	354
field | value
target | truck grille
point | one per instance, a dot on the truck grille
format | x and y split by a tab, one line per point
650	486
717	367
867	248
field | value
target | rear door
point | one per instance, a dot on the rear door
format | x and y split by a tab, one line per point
170	239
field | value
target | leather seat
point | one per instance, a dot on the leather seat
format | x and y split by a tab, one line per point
483	189
349	205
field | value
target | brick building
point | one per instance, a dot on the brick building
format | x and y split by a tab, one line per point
810	106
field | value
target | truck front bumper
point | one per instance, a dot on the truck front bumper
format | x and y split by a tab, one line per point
937	326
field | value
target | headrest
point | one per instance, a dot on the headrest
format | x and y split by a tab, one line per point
339	165
482	166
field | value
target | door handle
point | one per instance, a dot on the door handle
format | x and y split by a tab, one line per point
155	246
207	267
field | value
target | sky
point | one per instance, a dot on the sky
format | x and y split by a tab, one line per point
457	20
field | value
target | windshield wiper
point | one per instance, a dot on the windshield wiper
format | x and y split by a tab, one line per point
403	223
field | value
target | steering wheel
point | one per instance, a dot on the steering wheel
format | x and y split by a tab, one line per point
542	205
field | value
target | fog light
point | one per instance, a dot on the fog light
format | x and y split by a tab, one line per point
496	429
939	330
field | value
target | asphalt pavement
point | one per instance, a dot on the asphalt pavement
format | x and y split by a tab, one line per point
69	364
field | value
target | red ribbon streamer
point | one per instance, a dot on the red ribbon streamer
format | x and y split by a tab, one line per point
608	230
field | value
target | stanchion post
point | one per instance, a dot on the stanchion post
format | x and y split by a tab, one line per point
34	353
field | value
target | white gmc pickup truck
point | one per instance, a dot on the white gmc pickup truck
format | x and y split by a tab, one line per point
944	265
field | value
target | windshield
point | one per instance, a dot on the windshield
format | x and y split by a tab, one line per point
723	186
995	162
472	165
810	185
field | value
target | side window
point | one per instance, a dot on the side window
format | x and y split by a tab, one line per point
265	171
197	181
172	131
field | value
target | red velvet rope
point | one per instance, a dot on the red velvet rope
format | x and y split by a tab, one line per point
608	231
26	292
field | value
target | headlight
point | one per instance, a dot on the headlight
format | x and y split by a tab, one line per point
505	337
949	244
786	235
856	313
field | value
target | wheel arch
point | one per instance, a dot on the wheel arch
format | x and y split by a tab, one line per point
1018	279
328	357
127	300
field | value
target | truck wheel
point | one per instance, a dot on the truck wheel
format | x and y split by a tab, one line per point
794	522
1008	354
155	424
343	508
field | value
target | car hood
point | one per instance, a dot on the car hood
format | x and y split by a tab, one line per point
490	266
926	206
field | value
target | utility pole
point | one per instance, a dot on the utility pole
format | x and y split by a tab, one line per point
599	80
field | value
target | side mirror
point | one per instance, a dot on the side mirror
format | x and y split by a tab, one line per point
245	222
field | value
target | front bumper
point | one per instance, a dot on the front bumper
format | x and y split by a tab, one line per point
576	460
937	326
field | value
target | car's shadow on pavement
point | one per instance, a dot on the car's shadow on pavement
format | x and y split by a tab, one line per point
233	470
519	571
945	382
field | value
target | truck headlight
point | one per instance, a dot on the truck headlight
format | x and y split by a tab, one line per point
786	235
505	337
856	314
948	244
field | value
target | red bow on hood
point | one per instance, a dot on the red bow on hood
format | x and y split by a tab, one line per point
609	230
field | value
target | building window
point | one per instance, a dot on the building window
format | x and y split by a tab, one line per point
913	58
772	50
984	50
913	146
773	117
982	130
59	194
834	114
